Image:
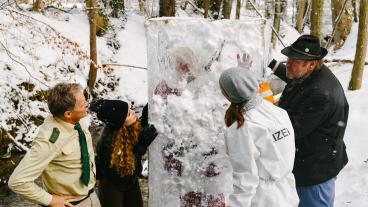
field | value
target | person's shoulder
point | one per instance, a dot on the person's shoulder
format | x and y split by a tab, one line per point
46	128
320	82
326	76
51	131
266	107
275	109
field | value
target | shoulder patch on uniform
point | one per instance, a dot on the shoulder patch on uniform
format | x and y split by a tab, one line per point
54	135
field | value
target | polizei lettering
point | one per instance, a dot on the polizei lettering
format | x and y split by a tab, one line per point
281	134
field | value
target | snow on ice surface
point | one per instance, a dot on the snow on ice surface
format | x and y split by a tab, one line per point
185	58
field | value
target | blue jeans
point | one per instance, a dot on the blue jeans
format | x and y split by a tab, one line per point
321	195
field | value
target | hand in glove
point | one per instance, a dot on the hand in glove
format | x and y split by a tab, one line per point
144	117
272	64
245	62
148	135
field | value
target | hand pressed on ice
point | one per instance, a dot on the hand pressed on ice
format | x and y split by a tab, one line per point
244	62
60	201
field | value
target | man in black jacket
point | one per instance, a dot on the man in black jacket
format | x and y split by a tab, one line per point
318	109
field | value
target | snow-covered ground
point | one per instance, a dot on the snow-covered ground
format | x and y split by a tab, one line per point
352	182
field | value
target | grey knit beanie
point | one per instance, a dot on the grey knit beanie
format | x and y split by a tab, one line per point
238	85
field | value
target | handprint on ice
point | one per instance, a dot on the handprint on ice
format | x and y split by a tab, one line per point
172	152
244	62
199	199
213	151
164	90
211	169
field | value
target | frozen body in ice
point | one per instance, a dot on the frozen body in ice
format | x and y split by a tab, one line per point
188	162
204	160
187	69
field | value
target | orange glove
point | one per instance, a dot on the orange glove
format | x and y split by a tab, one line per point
265	92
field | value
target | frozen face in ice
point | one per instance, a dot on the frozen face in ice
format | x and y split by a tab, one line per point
185	60
184	69
298	68
181	66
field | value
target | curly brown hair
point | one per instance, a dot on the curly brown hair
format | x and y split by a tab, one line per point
122	157
234	113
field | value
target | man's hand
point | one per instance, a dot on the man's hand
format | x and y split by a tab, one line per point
60	201
245	62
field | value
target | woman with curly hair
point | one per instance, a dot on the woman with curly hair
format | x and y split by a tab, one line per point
119	151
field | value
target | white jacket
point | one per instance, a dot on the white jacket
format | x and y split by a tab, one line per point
262	156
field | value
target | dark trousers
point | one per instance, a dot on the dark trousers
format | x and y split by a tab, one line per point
111	196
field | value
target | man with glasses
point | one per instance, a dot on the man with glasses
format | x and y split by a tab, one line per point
318	109
62	154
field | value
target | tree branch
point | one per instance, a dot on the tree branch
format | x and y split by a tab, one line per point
123	65
12	56
341	61
57	34
60	9
338	18
18	144
198	9
307	14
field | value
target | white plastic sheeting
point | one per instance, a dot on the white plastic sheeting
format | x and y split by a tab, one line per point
188	165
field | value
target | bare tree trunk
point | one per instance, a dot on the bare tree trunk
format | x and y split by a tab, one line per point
238	5
361	48
268	9
167	8
249	6
38	5
217	8
300	15
343	26
276	21
227	9
141	6
206	5
316	18
355	10
91	4
172	9
117	6
107	4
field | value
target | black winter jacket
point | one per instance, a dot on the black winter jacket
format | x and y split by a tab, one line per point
103	156
318	110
